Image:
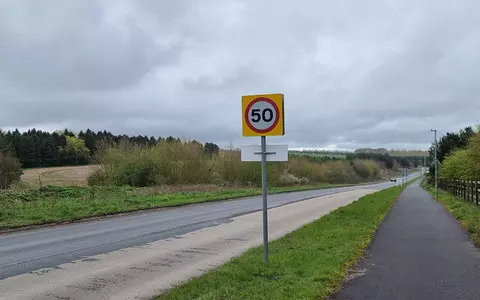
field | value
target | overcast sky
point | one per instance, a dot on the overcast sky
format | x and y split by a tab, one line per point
354	73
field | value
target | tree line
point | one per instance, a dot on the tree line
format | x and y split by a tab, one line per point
36	148
389	161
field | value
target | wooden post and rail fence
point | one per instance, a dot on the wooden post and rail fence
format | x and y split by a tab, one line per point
466	189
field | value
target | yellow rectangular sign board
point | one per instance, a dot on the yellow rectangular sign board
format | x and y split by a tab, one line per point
263	115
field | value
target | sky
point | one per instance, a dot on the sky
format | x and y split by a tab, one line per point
353	73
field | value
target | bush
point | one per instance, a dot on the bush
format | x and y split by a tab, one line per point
10	170
361	168
178	162
304	168
98	177
287	179
365	168
164	163
341	172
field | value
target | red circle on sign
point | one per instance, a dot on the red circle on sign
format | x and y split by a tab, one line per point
277	115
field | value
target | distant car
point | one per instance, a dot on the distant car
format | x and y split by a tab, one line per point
393	179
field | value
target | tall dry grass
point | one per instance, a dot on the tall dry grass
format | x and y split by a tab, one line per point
172	163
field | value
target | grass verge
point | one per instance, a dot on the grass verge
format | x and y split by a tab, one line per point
467	213
309	263
65	204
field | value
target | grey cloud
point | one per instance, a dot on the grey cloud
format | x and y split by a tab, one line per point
354	73
78	50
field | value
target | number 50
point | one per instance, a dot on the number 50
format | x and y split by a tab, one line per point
257	114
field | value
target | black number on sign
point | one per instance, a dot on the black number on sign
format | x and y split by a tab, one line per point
270	115
256	115
266	116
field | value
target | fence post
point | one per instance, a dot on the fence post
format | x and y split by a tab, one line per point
466	190
460	193
461	189
465	186
458	188
476	192
471	190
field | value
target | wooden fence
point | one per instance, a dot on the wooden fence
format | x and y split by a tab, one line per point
466	189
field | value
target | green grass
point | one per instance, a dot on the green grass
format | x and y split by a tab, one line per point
309	263
467	213
62	204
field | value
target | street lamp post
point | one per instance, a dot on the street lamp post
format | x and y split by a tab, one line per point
436	164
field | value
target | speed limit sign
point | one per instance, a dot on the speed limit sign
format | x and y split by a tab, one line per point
263	115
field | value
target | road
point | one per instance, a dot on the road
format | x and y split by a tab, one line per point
27	251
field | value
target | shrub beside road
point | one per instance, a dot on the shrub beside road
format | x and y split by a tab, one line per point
167	163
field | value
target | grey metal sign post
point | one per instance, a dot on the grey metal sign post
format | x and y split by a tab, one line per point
264	153
263	116
264	202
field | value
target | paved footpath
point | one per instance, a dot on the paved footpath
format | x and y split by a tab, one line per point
419	252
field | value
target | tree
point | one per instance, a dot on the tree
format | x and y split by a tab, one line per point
152	141
90	139
474	152
211	149
6	146
75	152
458	165
50	152
36	148
451	142
26	151
448	144
404	162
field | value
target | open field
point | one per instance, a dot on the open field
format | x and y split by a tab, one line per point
57	176
309	263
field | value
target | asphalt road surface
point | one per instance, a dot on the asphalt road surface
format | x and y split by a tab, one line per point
420	252
27	251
